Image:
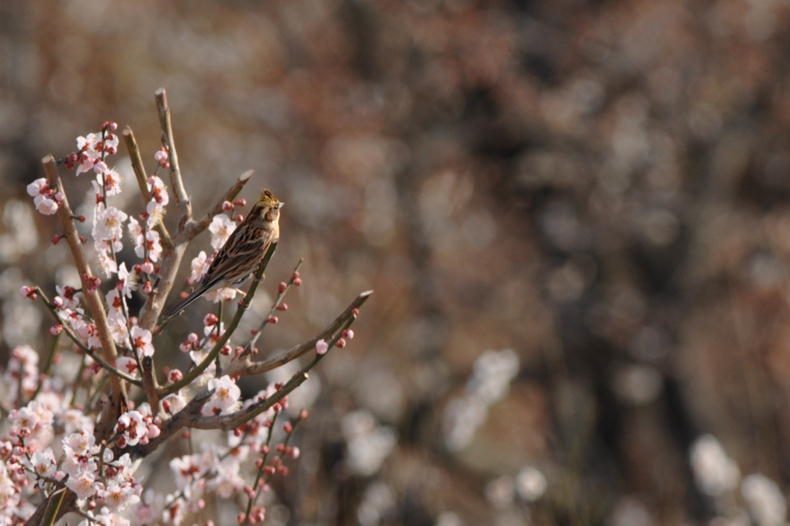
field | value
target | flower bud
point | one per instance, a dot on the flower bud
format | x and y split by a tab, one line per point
56	329
281	287
282	306
240	202
227	206
147	267
341	343
348	334
321	347
297	282
272	319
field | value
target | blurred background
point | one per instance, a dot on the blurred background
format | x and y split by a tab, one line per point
574	215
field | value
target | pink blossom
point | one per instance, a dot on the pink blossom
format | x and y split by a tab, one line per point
199	266
127	365
226	394
221	228
84	485
142	340
321	347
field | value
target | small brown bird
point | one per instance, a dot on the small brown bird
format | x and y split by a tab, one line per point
241	253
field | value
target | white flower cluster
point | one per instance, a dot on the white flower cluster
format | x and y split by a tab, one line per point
489	383
717	475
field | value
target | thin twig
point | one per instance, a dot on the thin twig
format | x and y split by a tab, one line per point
248	367
142	181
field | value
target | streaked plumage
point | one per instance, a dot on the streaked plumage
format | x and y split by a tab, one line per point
241	253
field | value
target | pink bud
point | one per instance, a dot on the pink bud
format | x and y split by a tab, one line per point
239	218
160	156
165	164
282	306
294	452
175	375
56	238
56	329
153	431
192	338
227	206
147	287
147	267
341	343
240	518
100	167
58	197
166	406
321	347
297	282
303	414
272	319
185	347
355	312
226	350
240	202
288	427
348	334
210	320
281	287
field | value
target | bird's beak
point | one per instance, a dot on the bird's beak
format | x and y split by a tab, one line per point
282	204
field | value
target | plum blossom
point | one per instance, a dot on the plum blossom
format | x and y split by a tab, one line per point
84	485
133	427
199	266
81	444
43	463
127	281
108	226
149	242
221	228
142	340
89	153
44	198
226	394
23	366
127	365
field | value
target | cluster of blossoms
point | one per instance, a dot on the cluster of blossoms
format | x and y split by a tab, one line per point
48	445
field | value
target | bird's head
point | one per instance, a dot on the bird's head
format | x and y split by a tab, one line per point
269	205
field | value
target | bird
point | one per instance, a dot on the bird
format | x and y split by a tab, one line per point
239	256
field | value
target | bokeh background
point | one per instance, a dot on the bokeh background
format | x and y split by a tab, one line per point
574	215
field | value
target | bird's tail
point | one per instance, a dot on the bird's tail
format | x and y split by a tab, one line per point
183	304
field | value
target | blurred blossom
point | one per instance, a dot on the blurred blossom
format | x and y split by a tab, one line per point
380	391
715	472
562	227
530	484
659	227
377	501
21	236
500	492
21	320
448	518
651	343
489	383
492	374
766	271
630	512
638	384
765	500
369	444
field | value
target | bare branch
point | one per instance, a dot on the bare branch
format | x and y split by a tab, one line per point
182	199
230	195
248	367
93	297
